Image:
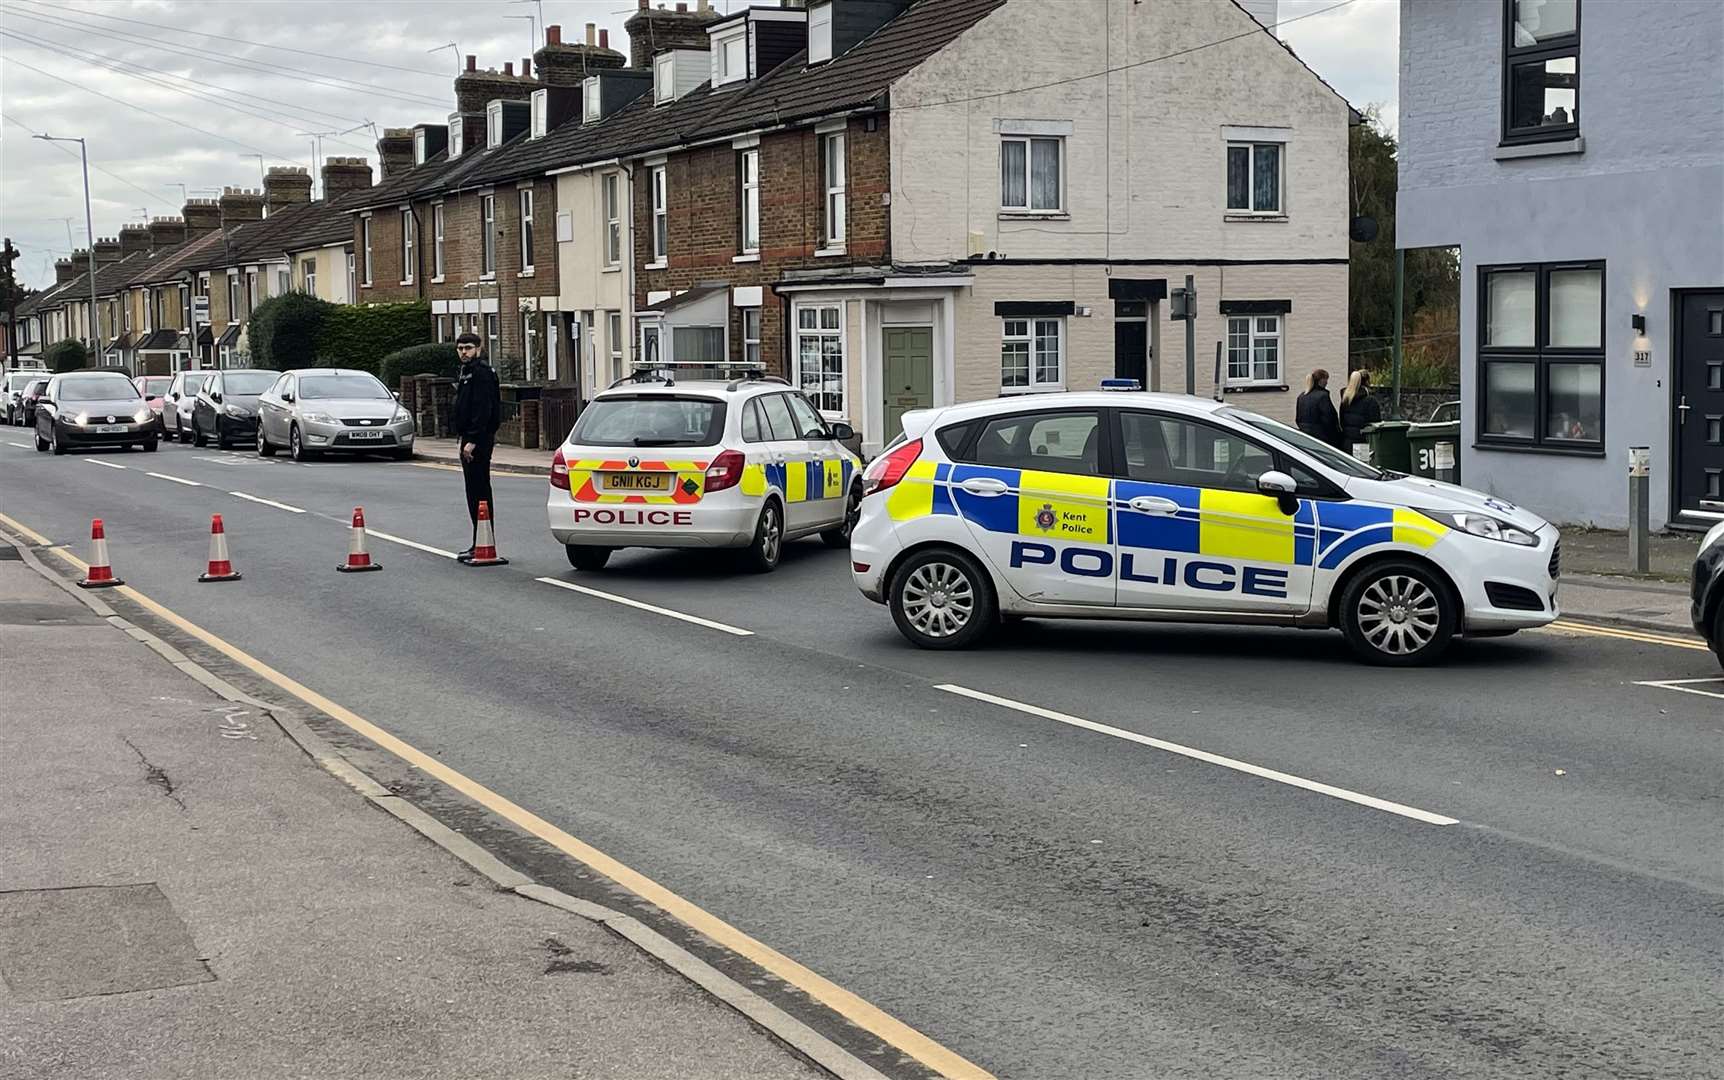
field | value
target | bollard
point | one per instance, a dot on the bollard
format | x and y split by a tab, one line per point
1639	507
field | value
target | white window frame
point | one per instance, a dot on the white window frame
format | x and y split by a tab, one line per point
457	136
835	175
284	281
614	336
365	239
591	107
308	272
409	238
529	338
352	280
251	291
749	197
494	125
1252	147
436	241
488	241
664	79
819	33
1253	334
493	324
722	72
660	216
751	335
525	198
1028	337
822	333
1028	205
418	147
541	114
610	198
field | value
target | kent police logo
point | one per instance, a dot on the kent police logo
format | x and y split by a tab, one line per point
1046	519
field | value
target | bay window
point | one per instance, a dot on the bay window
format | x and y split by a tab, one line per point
820	355
1541	356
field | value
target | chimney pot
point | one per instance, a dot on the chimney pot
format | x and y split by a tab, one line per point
472	62
604	38
553	35
526	68
592	32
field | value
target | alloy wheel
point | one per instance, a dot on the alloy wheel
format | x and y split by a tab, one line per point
939	599
1398	614
771	535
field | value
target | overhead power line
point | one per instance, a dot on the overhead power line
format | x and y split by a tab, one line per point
111	175
243	41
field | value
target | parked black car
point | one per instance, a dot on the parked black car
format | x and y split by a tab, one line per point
27	399
94	408
1708	607
225	410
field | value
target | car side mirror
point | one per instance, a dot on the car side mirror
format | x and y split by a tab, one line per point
842	431
215	397
1283	487
287	399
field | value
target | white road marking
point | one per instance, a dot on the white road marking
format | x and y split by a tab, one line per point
1684	686
19	445
175	479
404	542
104	464
627	602
1202	755
266	502
217	460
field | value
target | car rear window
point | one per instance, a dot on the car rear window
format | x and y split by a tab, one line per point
157	386
650	420
248	383
98	388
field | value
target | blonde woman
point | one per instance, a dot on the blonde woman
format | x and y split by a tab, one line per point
1359	408
1314	412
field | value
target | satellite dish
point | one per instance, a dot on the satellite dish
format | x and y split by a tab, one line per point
1363	229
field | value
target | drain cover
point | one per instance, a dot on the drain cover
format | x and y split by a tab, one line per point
84	941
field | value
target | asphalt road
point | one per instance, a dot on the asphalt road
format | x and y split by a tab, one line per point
1046	900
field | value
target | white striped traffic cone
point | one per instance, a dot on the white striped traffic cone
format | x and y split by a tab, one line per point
220	569
358	558
485	545
100	575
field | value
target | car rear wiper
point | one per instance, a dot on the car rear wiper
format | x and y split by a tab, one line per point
661	442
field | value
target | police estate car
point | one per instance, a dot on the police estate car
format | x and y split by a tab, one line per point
1155	506
746	464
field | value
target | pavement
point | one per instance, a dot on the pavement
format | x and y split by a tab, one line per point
503	458
1598	584
186	894
1086	850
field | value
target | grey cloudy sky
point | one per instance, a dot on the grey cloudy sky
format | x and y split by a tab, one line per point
184	108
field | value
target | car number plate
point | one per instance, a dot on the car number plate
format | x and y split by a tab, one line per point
637	481
365	434
110	429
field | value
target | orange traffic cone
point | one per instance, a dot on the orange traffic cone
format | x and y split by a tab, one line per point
485	545
220	568
100	575
358	558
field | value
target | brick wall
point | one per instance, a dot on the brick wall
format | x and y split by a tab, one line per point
702	195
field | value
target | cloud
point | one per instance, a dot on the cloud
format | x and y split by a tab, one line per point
1354	47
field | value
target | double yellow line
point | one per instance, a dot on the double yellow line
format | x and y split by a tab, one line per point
1645	637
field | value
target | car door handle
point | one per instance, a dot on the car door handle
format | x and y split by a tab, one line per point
984	485
1151	504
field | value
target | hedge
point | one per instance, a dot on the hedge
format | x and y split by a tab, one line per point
360	337
283	332
435	359
66	355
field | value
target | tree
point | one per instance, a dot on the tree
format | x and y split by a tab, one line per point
1431	290
67	355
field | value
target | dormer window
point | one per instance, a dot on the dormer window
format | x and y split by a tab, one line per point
457	136
664	79
590	99
820	33
418	147
494	125
541	113
730	55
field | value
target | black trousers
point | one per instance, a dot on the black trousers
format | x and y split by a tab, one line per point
477	475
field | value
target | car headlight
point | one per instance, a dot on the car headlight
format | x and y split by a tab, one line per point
402	416
142	414
81	419
1486	526
317	418
234	411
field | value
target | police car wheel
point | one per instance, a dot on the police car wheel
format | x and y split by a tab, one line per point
840	537
588	557
941	599
1398	614
763	552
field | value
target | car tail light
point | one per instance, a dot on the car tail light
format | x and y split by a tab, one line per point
888	469
725	471
559	470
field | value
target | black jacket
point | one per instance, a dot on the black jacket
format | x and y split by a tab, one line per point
478	404
1315	414
1355	415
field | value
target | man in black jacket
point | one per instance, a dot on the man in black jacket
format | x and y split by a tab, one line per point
478	412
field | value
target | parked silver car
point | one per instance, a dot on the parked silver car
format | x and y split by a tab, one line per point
12	394
310	411
177	410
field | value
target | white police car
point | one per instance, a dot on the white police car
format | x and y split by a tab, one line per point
668	464
1163	507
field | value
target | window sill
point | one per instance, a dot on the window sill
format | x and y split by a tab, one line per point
828	252
488	277
1246	215
659	264
1014	391
438	280
1554	148
1035	215
528	272
617	269
1528	448
408	281
752	256
1256	388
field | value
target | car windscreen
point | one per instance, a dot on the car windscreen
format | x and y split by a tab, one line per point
1322	451
157	386
650	420
342	386
194	383
248	383
98	388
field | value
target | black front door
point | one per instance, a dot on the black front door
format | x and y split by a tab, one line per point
1131	343
1700	402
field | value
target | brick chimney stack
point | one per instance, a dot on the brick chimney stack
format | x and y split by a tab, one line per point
653	30
80	262
395	151
343	176
165	232
284	186
563	64
107	250
202	217
239	205
475	88
134	238
64	270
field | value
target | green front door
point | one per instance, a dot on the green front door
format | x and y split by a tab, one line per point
909	376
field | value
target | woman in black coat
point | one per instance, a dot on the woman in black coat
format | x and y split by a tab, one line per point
1315	413
1359	409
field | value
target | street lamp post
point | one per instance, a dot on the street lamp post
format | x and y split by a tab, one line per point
90	228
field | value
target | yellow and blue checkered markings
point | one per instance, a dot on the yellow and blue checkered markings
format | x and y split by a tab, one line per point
801	481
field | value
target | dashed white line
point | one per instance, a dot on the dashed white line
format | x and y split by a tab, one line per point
266	502
404	542
175	479
1202	755
19	445
668	613
104	464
